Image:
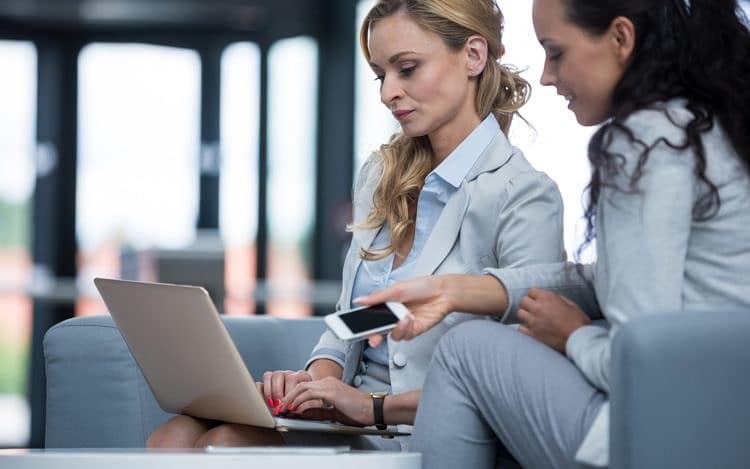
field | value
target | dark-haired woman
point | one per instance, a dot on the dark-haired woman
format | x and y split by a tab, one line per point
669	207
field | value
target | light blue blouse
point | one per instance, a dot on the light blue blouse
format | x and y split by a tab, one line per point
439	186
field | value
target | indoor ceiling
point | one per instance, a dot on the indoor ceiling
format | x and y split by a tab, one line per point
237	15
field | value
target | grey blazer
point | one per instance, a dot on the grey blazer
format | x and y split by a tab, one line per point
652	255
504	214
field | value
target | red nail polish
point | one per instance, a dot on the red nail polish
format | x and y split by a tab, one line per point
276	402
269	401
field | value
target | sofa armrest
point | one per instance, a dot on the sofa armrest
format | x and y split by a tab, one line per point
680	392
97	396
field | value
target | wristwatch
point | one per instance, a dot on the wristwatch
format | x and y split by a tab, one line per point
377	409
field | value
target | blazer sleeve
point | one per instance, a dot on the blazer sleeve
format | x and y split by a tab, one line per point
642	241
530	218
573	281
329	346
530	245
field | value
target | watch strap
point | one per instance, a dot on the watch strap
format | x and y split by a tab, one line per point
377	410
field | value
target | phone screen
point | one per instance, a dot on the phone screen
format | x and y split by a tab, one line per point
369	318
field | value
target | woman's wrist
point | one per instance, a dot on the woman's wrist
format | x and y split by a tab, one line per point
401	409
323	367
477	294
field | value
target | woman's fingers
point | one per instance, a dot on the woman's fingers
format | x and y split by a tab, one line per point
267	389
375	340
404	329
525	318
316	410
293	379
305	392
380	296
278	383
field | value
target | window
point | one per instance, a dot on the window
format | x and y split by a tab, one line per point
17	172
373	123
238	211
557	144
139	138
293	90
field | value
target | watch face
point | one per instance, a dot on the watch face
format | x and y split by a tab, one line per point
378	395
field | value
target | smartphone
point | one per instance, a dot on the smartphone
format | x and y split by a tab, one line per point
360	323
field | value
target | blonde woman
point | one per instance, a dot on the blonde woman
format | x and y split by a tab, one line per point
448	194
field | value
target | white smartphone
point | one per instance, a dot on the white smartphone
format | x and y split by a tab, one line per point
362	322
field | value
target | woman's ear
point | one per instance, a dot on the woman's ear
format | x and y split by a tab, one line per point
622	32
476	55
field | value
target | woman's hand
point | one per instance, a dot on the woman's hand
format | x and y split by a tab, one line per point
329	399
550	318
426	298
432	298
277	384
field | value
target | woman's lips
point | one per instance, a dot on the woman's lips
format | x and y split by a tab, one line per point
401	115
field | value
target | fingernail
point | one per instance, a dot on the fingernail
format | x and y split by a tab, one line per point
269	401
276	402
277	409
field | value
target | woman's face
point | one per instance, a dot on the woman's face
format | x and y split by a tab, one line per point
583	68
426	86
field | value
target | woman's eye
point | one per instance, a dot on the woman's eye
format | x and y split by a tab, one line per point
379	78
407	71
554	56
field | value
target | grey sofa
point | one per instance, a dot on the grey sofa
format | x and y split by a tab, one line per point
682	385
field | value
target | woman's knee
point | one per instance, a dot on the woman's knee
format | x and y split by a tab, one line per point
230	434
472	337
178	432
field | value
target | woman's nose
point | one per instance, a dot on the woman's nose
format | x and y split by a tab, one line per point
390	91
548	78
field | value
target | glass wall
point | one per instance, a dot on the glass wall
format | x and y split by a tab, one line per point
138	147
373	122
238	208
292	116
17	173
556	143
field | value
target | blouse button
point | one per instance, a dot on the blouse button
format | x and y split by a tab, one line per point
399	360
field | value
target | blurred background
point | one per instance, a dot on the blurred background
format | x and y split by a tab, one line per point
210	143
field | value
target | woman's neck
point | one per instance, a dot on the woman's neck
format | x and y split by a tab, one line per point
444	140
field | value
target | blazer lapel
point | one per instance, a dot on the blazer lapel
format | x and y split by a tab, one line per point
444	233
362	239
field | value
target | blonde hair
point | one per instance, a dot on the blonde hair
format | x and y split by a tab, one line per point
406	161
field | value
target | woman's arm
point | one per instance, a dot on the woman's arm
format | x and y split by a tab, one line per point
330	398
431	298
401	408
323	368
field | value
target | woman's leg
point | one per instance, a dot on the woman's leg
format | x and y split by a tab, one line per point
178	432
490	387
234	434
188	432
230	434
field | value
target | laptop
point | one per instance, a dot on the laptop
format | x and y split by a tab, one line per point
189	360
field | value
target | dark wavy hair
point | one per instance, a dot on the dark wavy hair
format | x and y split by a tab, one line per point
697	50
